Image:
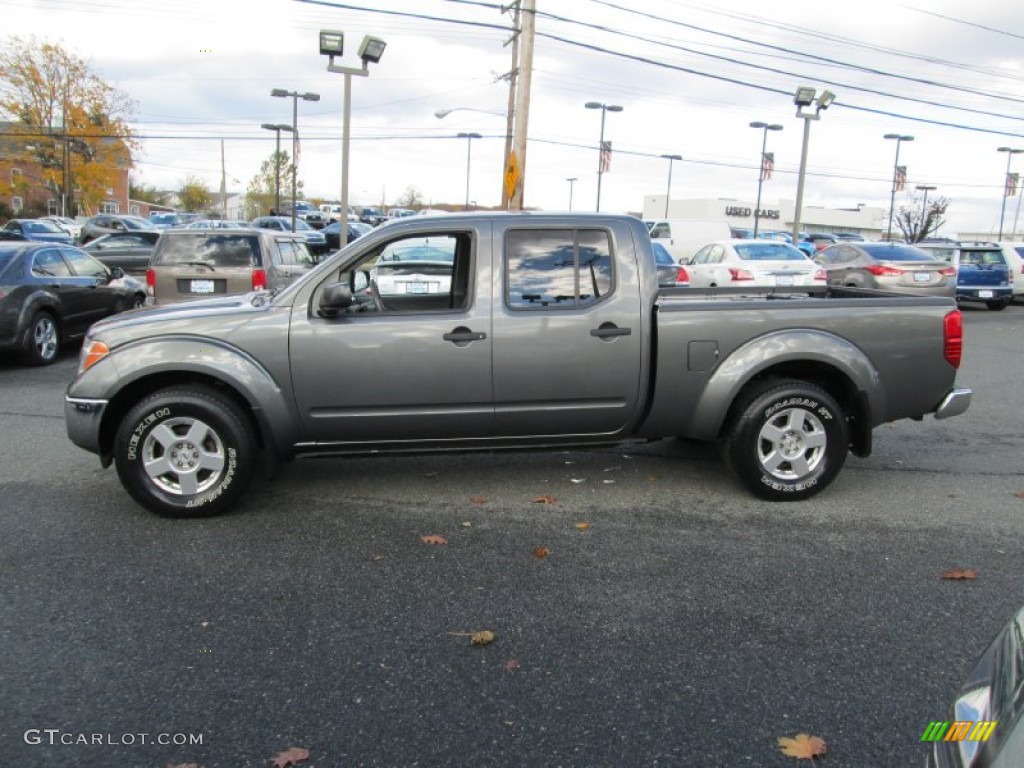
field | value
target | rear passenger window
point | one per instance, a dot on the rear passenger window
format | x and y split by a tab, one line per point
49	264
557	268
215	250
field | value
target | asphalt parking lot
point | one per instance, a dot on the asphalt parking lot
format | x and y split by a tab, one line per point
673	620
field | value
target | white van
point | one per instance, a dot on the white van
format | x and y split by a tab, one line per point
684	237
1014	255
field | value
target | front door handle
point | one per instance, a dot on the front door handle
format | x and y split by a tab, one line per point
462	336
609	330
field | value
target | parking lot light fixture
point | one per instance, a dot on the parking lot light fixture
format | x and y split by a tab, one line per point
926	188
1010	152
764	169
605	108
805	98
295	96
277	128
897	181
469	149
370	51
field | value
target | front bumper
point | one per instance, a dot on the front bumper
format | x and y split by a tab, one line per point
954	403
82	418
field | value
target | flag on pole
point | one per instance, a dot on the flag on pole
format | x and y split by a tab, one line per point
900	179
767	166
606	156
1012	180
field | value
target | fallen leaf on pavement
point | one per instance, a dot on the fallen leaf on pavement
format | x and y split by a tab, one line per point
544	500
512	665
803	747
960	574
466	524
291	756
541	552
434	539
582	526
486	637
1019	494
478	499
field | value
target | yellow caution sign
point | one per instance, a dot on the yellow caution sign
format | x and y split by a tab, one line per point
511	174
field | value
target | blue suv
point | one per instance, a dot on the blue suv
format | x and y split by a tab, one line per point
982	273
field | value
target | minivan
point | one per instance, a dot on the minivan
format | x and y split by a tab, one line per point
684	237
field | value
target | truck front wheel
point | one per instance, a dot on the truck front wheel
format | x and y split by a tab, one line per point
185	452
788	441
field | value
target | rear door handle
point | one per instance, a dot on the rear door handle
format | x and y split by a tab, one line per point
609	330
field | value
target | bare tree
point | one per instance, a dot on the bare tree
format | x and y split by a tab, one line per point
918	221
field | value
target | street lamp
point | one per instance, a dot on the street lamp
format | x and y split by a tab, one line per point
1006	184
764	168
600	147
668	191
804	98
897	182
469	148
926	188
295	96
571	182
277	128
332	43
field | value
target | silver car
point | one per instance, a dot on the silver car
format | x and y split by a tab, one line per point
887	267
749	263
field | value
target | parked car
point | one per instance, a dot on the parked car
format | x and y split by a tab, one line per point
785	237
414	266
105	224
40	230
887	267
684	237
69	225
128	250
197	263
400	213
821	240
308	212
17	237
982	272
216	224
748	263
671	274
314	239
849	236
332	231
371	216
1014	255
52	293
165	220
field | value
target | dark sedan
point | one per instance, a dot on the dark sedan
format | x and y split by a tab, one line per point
107	223
52	293
128	250
332	231
40	230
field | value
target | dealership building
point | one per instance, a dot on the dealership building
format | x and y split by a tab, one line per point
871	222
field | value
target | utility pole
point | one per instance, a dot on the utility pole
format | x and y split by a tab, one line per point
510	113
522	116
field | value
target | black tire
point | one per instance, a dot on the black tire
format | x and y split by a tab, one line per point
138	301
194	429
788	440
998	305
42	342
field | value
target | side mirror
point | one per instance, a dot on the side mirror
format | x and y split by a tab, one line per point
335	299
116	273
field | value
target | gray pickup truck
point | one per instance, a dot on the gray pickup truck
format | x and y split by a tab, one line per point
485	331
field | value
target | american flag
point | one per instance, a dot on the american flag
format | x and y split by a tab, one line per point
900	179
767	165
1012	180
606	156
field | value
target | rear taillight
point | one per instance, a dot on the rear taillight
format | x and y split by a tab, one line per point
259	280
740	274
947	272
820	274
879	271
682	276
953	337
150	282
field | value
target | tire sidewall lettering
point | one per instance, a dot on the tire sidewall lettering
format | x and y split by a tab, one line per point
141	428
222	486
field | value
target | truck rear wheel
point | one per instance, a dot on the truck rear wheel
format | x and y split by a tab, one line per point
788	440
185	452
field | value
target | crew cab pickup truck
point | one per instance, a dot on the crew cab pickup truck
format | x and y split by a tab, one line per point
547	331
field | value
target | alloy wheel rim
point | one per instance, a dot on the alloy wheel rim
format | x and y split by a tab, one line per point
791	445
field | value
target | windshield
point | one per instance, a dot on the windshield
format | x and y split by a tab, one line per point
43	227
886	252
769	251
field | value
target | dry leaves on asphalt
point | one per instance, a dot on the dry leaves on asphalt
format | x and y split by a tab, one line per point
803	747
960	574
433	538
1019	494
478	499
581	526
541	552
544	500
484	637
291	756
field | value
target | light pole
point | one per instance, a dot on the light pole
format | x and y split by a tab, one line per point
469	150
761	173
571	182
803	98
332	43
295	96
926	188
277	128
668	191
896	181
600	146
1010	152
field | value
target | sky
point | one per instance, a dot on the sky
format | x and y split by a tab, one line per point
690	76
